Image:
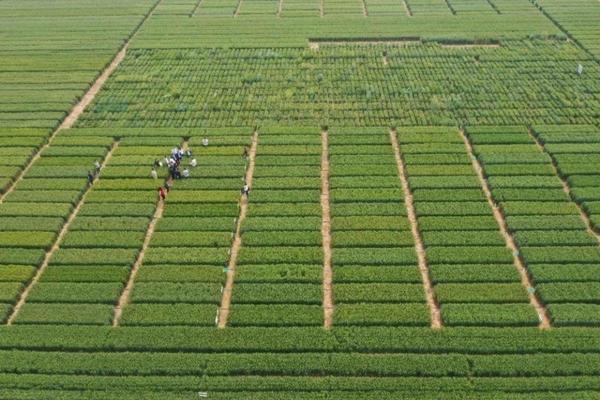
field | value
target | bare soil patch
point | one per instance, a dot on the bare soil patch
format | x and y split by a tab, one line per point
326	234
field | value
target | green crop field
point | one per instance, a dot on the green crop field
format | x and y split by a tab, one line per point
423	219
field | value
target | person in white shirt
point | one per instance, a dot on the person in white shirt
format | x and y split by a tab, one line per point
154	174
245	190
186	173
205	142
193	163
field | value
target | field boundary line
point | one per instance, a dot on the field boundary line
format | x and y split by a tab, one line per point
80	106
322	8
407	8
328	309
196	8
126	293
565	184
518	260
434	307
365	9
236	245
57	242
279	8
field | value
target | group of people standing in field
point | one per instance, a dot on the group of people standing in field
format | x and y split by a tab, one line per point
173	162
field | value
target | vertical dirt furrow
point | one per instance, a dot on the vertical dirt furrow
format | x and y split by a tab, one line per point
365	9
78	109
491	3
158	213
566	187
508	238
279	8
452	10
434	308
236	13
407	8
326	234
196	8
223	312
56	245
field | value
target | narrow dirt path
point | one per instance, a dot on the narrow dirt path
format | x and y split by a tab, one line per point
328	309
78	109
279	8
365	9
57	242
126	293
434	308
452	10
520	264
196	8
407	8
322	8
491	3
236	13
223	311
566	187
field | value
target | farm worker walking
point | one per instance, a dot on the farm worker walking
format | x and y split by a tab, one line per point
167	187
205	142
156	164
245	154
245	190
154	174
193	163
579	69
162	193
97	166
90	177
186	173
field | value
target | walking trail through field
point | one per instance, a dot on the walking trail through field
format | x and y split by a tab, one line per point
326	234
80	107
407	8
508	238
158	213
434	308
56	245
567	189
223	312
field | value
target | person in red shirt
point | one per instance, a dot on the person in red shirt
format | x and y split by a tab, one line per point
162	193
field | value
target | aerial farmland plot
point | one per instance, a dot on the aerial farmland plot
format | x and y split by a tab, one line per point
299	199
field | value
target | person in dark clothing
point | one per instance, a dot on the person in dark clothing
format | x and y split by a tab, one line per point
90	177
